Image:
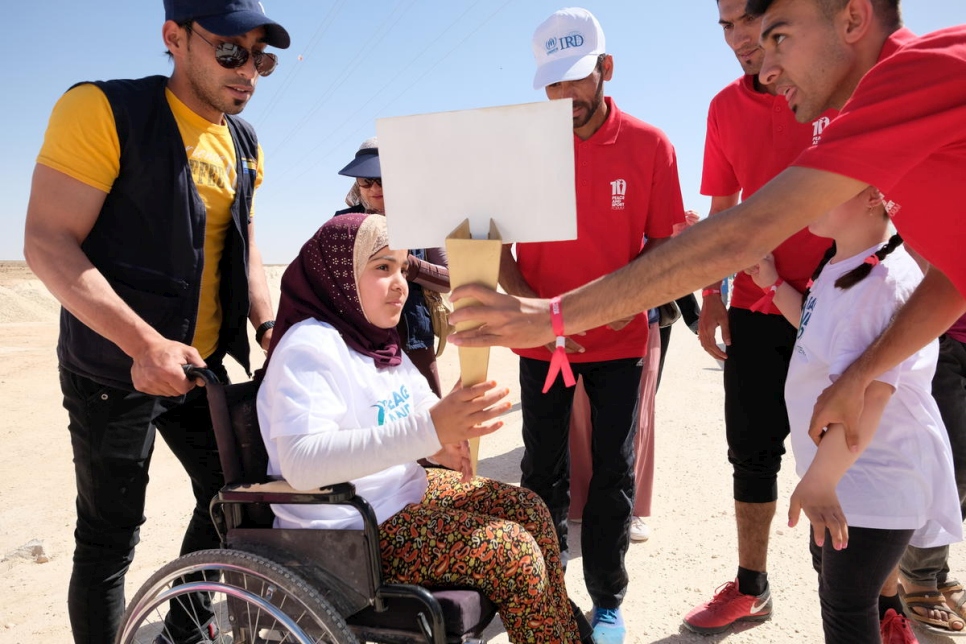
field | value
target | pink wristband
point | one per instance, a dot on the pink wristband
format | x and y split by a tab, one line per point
556	316
761	305
558	362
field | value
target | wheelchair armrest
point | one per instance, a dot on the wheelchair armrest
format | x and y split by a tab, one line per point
279	491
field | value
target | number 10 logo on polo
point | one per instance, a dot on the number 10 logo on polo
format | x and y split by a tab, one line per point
618	190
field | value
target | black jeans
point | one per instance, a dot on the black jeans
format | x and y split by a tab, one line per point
112	435
849	581
756	420
928	566
612	388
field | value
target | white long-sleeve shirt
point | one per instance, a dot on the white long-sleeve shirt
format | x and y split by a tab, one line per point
328	415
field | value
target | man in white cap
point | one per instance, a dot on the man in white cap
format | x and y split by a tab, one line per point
627	192
151	252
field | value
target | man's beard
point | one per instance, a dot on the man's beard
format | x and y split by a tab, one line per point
591	109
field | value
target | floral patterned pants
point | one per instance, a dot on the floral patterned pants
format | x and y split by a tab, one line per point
487	535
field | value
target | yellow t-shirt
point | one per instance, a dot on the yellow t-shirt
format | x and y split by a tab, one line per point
81	141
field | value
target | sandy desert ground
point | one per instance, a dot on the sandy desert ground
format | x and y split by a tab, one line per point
691	551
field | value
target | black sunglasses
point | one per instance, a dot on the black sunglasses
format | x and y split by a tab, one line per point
366	182
232	56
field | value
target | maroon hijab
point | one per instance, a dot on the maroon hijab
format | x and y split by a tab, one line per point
321	283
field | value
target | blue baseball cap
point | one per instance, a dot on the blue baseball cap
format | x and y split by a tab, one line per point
227	18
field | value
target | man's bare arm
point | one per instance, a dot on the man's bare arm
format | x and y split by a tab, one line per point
649	245
720	204
707	251
258	294
730	241
513	282
511	279
714	314
60	214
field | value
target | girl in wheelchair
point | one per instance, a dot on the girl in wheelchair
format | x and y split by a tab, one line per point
340	402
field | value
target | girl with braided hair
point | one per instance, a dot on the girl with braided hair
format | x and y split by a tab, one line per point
865	506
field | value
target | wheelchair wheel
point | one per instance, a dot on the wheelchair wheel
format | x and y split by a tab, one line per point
230	597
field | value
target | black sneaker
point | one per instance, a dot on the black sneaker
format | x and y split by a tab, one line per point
209	636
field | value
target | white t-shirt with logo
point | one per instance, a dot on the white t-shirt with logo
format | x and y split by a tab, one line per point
904	479
353	422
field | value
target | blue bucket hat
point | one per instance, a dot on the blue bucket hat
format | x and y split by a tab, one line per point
227	18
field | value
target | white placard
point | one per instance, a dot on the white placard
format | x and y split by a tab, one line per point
512	164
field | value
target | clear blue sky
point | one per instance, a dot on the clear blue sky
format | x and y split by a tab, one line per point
364	60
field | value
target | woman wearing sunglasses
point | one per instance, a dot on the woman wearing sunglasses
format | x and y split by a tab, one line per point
427	266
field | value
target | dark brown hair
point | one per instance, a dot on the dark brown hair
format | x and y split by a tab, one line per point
858	273
887	11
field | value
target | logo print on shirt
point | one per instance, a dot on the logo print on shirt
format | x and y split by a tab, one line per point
806	315
891	207
395	407
818	127
618	190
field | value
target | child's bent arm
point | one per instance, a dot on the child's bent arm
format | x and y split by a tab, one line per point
309	461
787	298
815	494
789	302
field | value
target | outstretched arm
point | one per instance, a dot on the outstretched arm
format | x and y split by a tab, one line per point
709	250
786	297
714	314
261	309
511	279
513	282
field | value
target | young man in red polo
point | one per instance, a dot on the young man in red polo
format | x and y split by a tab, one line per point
752	135
627	190
901	128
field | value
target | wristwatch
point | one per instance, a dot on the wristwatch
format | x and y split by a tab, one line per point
262	330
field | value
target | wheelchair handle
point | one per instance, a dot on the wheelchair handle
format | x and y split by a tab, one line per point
204	374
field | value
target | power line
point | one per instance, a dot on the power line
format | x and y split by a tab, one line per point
347	72
409	86
327	22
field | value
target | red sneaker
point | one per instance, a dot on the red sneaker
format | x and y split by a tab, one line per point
727	607
895	629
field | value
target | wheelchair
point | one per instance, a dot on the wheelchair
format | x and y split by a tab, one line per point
268	585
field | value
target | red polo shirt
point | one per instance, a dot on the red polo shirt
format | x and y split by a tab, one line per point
904	131
751	137
958	330
627	188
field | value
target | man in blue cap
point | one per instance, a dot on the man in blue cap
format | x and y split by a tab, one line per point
140	223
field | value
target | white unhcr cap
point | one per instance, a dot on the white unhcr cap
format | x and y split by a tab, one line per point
566	47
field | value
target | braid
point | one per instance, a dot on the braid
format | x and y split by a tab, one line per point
829	254
862	271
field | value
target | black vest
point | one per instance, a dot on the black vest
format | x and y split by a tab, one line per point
149	238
